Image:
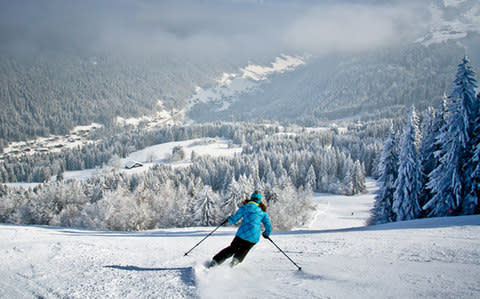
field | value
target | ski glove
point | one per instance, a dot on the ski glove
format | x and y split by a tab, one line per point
265	235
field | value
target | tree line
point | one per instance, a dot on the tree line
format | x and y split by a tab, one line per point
40	167
432	169
285	167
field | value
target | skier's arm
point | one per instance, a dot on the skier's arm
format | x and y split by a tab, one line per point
238	215
267	225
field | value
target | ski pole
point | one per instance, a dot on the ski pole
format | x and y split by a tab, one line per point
299	268
224	221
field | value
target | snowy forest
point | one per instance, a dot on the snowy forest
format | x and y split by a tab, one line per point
40	167
432	169
286	166
52	93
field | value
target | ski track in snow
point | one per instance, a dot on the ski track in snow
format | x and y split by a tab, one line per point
339	256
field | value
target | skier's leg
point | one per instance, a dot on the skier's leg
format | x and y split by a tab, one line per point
242	250
228	251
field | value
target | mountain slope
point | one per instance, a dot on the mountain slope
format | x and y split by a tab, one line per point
376	82
368	85
425	258
52	93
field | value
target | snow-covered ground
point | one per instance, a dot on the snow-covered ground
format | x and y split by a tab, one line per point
340	257
160	153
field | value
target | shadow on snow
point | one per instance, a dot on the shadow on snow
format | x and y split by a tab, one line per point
187	274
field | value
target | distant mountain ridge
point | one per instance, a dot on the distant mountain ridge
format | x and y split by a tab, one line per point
372	84
369	85
452	20
56	83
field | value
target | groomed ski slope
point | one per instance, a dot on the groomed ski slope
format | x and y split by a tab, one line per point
432	258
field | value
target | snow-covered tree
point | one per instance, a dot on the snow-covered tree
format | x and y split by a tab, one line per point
346	185
290	207
448	180
471	204
178	153
464	89
310	179
387	169
233	196
116	211
434	122
405	198
246	185
206	210
358	178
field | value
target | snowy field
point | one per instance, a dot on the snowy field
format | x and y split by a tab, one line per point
433	258
153	155
159	154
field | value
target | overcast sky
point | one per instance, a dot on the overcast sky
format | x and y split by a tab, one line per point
208	27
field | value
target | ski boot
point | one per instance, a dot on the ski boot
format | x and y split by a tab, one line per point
213	263
234	262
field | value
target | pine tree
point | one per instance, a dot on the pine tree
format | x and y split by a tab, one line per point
433	123
246	185
310	179
448	179
405	198
232	198
471	204
358	178
466	89
206	210
387	169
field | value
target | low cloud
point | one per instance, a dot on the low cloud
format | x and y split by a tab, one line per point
213	28
352	27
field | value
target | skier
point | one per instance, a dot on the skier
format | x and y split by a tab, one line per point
253	213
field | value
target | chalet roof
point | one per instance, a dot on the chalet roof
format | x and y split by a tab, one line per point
132	164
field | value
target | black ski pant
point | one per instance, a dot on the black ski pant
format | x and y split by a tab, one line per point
238	248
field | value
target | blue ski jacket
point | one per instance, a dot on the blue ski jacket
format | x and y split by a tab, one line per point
250	228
